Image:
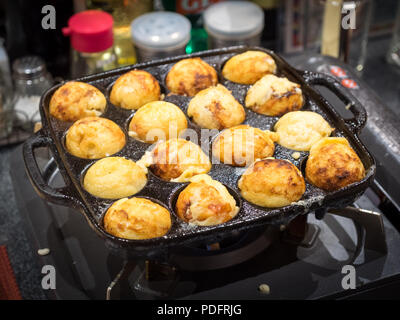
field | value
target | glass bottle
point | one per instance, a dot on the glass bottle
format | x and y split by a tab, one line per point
123	13
31	80
91	34
83	63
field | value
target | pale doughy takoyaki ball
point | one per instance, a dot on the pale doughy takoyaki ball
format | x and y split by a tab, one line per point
299	130
177	160
216	108
114	178
189	76
274	96
248	67
157	120
272	183
76	100
94	137
137	219
206	202
134	89
333	164
242	145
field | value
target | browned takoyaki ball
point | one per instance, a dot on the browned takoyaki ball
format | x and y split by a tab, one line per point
137	219
189	76
94	137
134	89
177	160
248	67
274	96
333	164
76	100
157	120
242	145
272	183
216	108
205	202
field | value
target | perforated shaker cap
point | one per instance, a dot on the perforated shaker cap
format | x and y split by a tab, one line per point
233	20
161	31
29	67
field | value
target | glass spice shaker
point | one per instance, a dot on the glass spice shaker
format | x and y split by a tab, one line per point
160	34
31	80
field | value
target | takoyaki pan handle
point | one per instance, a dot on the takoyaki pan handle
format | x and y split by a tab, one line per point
359	120
61	196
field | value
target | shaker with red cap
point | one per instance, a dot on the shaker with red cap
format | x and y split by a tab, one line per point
91	34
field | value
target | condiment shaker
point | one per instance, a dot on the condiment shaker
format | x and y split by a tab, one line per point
160	34
233	23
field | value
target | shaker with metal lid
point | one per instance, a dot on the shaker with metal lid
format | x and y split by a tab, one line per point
31	79
160	34
233	23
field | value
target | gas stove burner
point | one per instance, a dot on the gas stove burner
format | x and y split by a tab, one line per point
240	247
160	279
177	276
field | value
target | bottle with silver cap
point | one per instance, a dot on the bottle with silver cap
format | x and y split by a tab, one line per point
160	34
31	79
233	23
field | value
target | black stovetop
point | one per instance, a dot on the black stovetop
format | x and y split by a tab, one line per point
85	268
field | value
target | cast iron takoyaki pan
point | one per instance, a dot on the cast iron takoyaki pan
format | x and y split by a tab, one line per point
250	216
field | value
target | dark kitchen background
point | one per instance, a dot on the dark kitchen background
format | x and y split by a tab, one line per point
20	26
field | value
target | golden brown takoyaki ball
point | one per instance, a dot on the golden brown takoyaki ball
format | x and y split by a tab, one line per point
272	183
242	145
274	96
76	100
134	89
137	219
157	120
216	108
189	76
177	160
94	137
299	130
114	177
333	164
248	67
205	202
